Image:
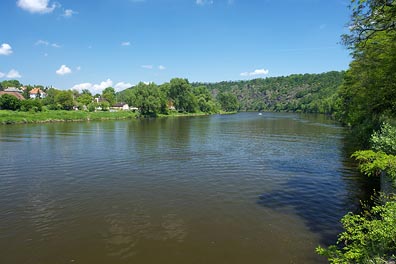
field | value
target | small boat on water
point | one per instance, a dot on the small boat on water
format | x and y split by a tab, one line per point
260	113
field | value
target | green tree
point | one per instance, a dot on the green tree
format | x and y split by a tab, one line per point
85	99
180	93
149	99
228	102
9	102
65	100
33	105
369	237
10	83
110	95
367	95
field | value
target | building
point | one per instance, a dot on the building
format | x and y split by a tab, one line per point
37	93
13	89
15	94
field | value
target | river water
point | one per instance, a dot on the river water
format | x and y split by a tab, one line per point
242	188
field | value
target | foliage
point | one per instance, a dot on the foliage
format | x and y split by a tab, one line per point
149	99
10	83
9	102
33	105
180	93
385	139
369	237
310	93
110	95
228	102
373	163
368	18
368	92
85	98
65	100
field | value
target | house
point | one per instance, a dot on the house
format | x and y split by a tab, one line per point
171	106
37	93
15	94
13	89
120	106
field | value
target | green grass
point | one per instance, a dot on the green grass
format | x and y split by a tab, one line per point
16	117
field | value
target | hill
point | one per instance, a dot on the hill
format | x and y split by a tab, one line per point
313	93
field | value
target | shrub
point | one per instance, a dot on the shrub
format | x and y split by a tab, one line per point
9	102
31	105
385	139
369	237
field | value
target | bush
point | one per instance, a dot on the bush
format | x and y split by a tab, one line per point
9	102
385	139
92	107
369	237
31	105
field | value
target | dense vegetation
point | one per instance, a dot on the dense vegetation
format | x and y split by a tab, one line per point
367	103
310	93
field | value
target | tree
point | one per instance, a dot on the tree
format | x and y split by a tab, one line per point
110	95
180	93
9	102
31	105
65	100
149	99
369	17
228	102
367	95
369	237
10	83
85	99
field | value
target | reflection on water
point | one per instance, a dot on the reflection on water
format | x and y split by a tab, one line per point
221	189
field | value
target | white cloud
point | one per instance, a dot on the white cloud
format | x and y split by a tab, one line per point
161	68
204	2
41	42
82	86
122	86
255	72
5	49
69	13
103	85
2	74
13	74
126	43
37	6
93	88
149	67
63	70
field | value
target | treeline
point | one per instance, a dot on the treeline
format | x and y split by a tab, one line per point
367	104
151	99
310	93
177	95
55	99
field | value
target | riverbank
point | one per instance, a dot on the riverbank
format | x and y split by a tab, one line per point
15	117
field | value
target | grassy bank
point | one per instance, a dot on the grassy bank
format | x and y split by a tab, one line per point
15	117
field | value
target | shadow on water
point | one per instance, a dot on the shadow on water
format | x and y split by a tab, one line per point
324	197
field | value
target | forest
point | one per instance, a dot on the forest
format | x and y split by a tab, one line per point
308	93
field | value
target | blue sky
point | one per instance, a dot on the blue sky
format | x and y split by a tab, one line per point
94	44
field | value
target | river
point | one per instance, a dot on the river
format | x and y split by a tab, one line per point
242	188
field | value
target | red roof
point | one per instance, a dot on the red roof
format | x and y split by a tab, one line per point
15	94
